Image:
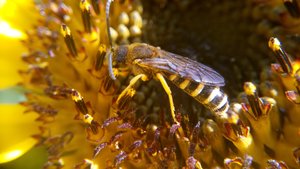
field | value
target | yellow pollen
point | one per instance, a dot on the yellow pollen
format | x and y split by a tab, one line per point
77	97
84	5
274	44
65	30
249	88
296	66
88	119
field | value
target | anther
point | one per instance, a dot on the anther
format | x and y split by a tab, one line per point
253	99
124	102
98	149
100	56
276	164
296	154
66	32
292	7
238	161
107	86
120	158
87	118
281	55
86	15
58	92
191	162
194	139
293	96
79	102
96	6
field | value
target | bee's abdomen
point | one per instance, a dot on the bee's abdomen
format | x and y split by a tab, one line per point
210	96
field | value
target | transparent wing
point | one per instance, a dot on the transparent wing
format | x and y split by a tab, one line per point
184	67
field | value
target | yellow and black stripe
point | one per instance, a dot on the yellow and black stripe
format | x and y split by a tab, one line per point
210	96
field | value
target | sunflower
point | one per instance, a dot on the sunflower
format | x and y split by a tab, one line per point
60	84
16	138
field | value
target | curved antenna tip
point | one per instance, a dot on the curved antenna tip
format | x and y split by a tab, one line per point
110	68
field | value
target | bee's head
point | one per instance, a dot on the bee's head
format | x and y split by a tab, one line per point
117	55
120	54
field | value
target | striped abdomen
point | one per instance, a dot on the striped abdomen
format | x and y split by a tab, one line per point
210	96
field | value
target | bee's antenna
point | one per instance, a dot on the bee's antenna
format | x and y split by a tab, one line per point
110	68
110	64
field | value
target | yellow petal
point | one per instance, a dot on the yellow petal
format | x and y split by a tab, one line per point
13	23
10	61
35	158
16	129
7	30
17	13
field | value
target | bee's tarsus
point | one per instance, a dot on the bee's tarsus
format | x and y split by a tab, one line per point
131	85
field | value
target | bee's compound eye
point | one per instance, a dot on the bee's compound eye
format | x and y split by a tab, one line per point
121	53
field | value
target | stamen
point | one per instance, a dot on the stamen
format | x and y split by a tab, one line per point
276	164
194	139
120	158
86	15
98	149
292	7
100	57
96	6
296	154
66	32
79	102
237	161
192	162
281	55
108	86
253	99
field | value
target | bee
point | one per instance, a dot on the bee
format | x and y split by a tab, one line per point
146	62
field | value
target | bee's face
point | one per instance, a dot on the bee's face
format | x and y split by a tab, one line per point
120	54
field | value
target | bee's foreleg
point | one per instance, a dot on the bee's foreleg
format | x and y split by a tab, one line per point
169	93
128	90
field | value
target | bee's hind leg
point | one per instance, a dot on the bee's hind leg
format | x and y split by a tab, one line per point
129	91
169	93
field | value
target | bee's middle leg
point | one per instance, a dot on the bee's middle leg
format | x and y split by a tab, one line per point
169	93
129	89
